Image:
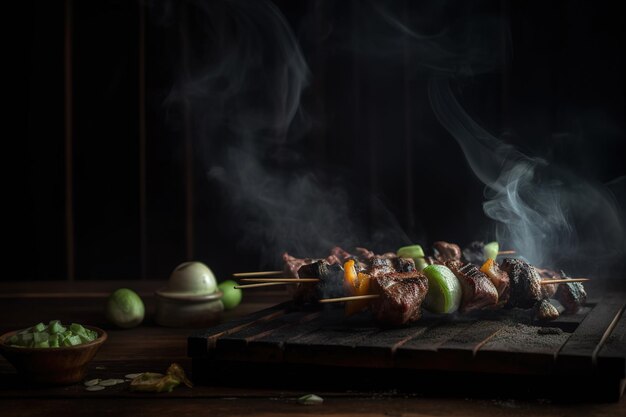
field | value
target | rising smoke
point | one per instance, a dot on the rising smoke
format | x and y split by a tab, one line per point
548	214
245	88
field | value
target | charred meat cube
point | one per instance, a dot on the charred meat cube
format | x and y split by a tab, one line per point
379	266
478	290
545	311
525	287
571	295
474	253
445	251
330	282
401	298
404	264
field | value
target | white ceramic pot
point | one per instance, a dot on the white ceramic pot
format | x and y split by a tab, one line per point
190	299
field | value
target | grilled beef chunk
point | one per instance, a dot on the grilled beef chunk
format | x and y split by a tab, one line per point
404	264
293	264
401	298
478	290
384	265
338	255
500	280
545	311
474	253
330	282
445	251
380	266
571	295
364	253
525	289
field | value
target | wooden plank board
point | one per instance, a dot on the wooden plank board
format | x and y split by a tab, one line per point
490	346
458	352
235	345
578	354
421	352
328	345
612	356
202	342
521	349
378	349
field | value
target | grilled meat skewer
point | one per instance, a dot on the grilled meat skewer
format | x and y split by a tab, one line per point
513	284
330	272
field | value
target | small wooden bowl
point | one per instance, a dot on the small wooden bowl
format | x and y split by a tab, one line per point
52	366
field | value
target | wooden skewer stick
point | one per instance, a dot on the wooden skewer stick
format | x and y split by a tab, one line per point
257	273
351	298
285	280
558	281
507	252
263	284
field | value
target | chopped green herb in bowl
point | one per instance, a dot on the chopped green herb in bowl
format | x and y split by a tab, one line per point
55	353
53	335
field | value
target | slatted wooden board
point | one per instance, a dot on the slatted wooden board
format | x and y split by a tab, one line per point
581	356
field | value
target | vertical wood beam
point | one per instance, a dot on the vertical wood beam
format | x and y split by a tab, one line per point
409	115
69	142
188	138
143	240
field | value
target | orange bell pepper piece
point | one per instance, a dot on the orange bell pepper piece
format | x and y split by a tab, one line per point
487	266
356	284
350	278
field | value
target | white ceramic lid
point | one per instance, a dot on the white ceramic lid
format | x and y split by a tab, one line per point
190	279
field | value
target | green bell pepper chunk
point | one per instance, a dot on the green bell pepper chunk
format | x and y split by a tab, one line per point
414	252
491	249
444	290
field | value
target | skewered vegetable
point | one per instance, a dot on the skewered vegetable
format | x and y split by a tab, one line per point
499	279
491	249
416	253
478	252
444	290
356	284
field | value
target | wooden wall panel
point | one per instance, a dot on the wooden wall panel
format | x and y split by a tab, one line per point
106	140
116	181
42	240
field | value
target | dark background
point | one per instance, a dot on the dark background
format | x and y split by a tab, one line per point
116	187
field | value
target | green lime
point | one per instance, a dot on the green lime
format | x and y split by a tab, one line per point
232	295
125	308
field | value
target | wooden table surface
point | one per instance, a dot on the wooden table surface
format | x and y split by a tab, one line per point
153	348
